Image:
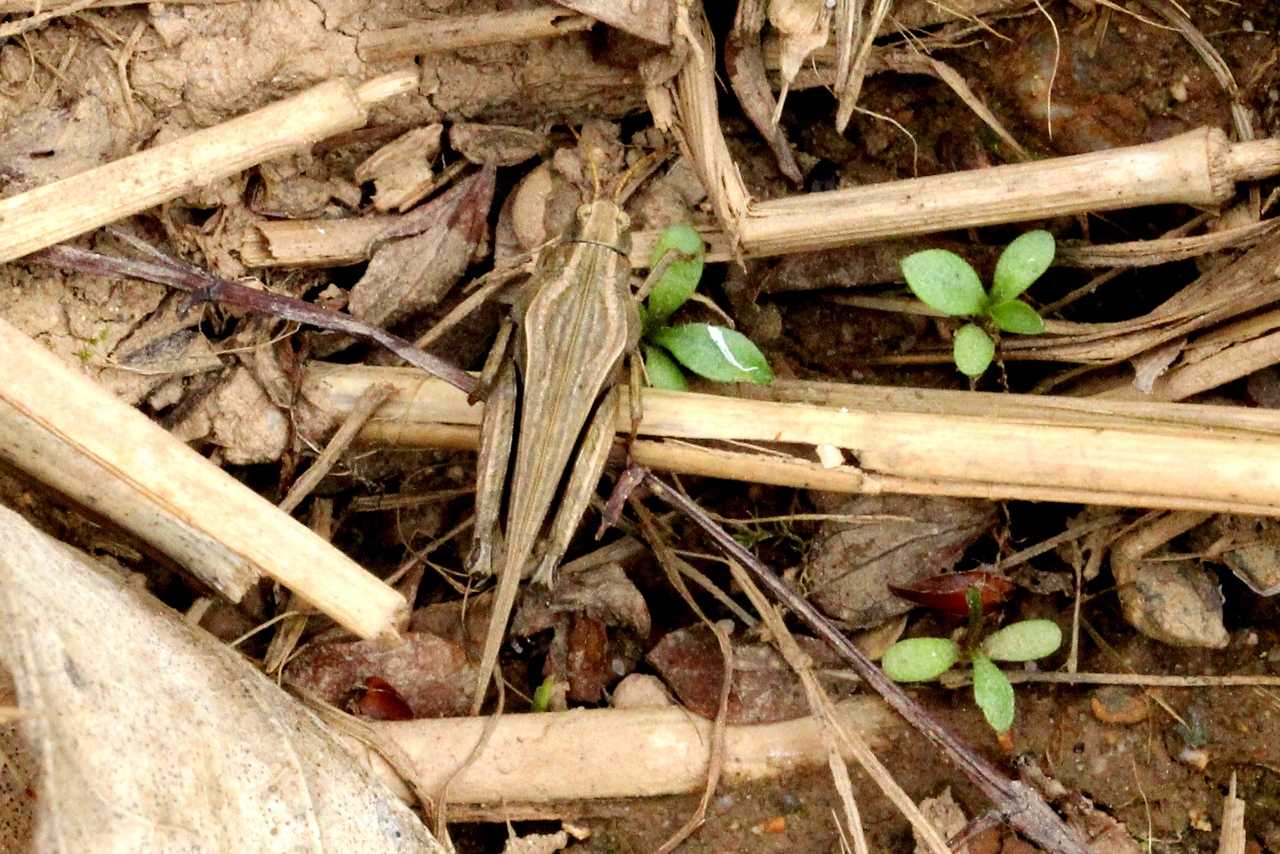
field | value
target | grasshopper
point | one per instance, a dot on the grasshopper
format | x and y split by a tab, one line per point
571	329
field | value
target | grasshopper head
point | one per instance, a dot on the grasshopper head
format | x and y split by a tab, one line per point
603	222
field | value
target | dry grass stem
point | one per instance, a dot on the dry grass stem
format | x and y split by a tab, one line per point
364	408
462	31
1223	293
23	25
692	100
949	443
607	753
1232	838
61	210
68	432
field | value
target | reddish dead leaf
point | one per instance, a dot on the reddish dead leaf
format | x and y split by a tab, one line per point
379	701
588	666
948	593
765	688
431	674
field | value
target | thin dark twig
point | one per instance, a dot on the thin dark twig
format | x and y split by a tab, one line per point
204	286
1016	802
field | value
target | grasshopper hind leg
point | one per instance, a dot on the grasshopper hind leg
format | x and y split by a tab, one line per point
496	437
583	479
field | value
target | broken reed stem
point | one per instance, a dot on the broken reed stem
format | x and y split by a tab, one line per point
65	430
939	443
460	31
605	753
1198	168
63	209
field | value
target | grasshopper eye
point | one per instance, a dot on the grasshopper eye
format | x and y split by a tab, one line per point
583	214
624	222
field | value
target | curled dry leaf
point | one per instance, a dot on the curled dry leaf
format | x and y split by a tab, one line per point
765	688
401	170
1250	546
145	734
949	593
502	145
803	26
431	674
898	539
408	275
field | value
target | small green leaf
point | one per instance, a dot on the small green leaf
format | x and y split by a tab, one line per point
993	693
1024	641
662	370
973	350
944	281
542	695
1017	316
1022	262
681	279
716	353
918	659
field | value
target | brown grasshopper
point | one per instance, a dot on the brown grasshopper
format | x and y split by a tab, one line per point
574	323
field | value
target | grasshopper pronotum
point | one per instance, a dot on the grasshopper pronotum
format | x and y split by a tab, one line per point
573	325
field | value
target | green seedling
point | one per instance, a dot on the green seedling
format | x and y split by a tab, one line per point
921	659
944	281
714	352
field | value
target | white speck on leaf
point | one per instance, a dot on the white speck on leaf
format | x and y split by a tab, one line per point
717	335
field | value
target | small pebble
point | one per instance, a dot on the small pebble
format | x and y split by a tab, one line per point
1194	757
1247	26
1115	705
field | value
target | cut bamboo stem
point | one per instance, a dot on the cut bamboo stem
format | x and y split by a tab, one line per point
460	31
63	209
1197	168
63	429
604	753
1174	456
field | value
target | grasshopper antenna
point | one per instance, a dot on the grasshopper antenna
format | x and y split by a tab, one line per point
638	173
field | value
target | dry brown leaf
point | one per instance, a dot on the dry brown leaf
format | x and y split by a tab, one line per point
765	688
145	734
431	674
408	275
502	144
900	539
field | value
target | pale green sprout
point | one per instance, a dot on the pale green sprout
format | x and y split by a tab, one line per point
946	282
921	659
